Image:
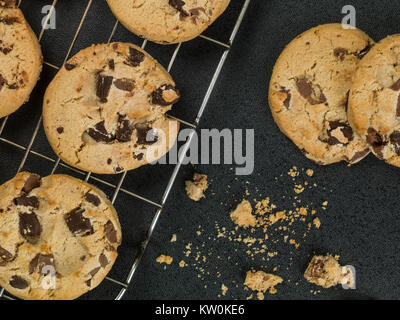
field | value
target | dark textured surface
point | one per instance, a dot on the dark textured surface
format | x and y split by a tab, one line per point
360	224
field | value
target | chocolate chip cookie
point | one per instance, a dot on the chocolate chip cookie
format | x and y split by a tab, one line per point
20	58
309	91
374	102
104	111
167	21
58	236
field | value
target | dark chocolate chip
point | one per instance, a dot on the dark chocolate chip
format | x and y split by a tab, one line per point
124	84
9	20
103	86
29	226
286	102
110	232
135	57
60	130
41	261
395	141
69	66
93	199
103	260
78	224
119	169
145	134
18	283
109	161
313	94
99	133
396	86
157	97
138	156
124	131
34	181
5	255
359	155
111	64
375	139
27	201
178	5
340	53
364	51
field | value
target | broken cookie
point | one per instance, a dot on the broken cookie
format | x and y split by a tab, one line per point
325	271
262	282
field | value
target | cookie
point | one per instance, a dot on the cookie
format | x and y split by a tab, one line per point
58	237
20	58
374	102
309	89
167	21
104	111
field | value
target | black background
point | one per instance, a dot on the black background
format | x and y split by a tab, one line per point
361	223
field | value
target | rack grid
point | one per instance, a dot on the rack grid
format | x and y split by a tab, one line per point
117	188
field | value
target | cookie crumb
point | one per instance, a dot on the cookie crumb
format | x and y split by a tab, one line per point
310	172
224	289
262	282
326	272
242	215
195	189
164	259
317	223
173	238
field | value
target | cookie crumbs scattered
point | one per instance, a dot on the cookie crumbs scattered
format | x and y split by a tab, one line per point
195	189
262	282
310	172
164	259
242	215
182	264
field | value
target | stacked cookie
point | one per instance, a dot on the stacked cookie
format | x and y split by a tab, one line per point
335	94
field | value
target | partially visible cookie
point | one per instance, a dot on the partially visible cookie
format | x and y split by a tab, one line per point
309	90
58	237
20	58
105	111
374	102
167	21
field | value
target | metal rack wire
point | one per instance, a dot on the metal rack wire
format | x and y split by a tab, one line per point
118	187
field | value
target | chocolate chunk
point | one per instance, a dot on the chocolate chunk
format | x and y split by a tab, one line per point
340	53
111	64
135	57
69	66
5	255
93	199
103	260
145	134
178	5
7	50
124	84
34	181
27	201
124	131
60	130
103	86
78	224
316	269
313	94
344	127
109	161
41	261
364	51
2	81
29	226
94	271
286	102
119	169
18	283
160	96
398	107
138	156
99	133
375	139
396	86
110	232
395	141
359	155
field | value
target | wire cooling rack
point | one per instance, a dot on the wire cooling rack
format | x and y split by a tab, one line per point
117	187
